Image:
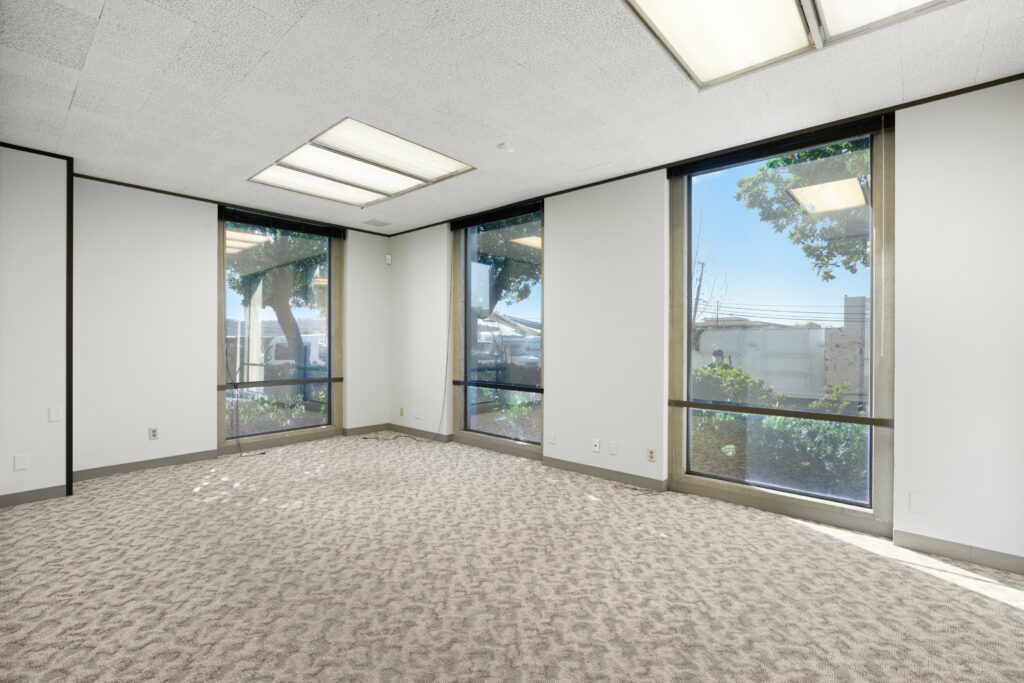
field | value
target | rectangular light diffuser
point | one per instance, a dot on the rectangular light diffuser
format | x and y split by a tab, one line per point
533	241
298	181
833	196
845	16
715	40
348	170
366	142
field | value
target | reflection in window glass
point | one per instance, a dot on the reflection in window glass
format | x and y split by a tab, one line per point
503	326
276	327
512	414
780	318
813	457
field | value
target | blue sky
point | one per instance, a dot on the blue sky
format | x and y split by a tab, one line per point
752	271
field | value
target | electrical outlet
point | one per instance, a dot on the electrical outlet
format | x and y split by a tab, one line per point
154	433
651	455
613	448
401	412
21	461
595	445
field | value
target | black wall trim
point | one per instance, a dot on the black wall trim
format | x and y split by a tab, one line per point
802	414
272	220
504	213
69	464
34	151
262	212
869	116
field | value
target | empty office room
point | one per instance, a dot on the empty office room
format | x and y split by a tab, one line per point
511	340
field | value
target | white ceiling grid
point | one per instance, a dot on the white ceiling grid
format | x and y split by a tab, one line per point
195	96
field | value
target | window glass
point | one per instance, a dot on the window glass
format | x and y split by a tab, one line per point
780	318
276	328
503	326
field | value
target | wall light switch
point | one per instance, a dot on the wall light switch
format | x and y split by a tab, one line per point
21	461
56	413
595	445
387	259
613	448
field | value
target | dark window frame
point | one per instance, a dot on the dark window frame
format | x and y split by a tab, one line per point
229	214
763	151
463	226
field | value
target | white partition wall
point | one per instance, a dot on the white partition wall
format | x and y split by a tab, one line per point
421	374
606	325
367	330
145	318
33	311
959	451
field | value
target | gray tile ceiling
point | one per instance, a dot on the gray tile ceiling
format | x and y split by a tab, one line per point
195	96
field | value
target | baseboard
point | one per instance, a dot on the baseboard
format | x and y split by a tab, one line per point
124	468
433	436
32	496
959	551
359	431
496	443
621	477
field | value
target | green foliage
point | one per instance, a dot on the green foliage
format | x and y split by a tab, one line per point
286	260
732	385
515	267
817	456
266	413
833	240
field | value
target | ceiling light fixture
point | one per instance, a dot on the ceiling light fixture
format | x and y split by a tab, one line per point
372	144
318	186
348	170
842	17
533	241
358	164
714	41
832	196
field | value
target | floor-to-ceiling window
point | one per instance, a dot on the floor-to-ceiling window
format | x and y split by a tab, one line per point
277	326
502	314
783	292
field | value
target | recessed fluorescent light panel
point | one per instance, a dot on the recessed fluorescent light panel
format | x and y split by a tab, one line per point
840	17
366	142
716	40
360	165
533	241
833	196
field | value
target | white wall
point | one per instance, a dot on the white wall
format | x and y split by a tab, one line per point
145	325
420	278
33	260
367	330
606	324
959	450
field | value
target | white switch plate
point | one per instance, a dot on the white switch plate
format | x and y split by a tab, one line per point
21	462
613	448
551	436
595	445
56	413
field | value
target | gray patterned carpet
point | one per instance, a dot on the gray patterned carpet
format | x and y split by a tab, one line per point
369	560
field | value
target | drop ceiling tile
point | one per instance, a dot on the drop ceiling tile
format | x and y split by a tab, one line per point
286	10
232	18
48	30
1003	54
138	36
90	8
35	81
213	60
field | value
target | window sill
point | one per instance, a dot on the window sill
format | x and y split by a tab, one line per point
781	502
